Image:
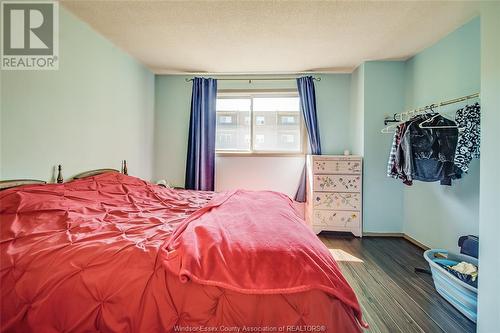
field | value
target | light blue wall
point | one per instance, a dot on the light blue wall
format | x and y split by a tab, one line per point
430	213
382	196
172	103
333	106
96	110
173	97
489	225
437	215
357	110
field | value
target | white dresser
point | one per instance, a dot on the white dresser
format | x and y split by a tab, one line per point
334	193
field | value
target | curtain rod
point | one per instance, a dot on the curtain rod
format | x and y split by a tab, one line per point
398	117
259	79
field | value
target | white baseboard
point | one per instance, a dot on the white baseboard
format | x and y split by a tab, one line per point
396	234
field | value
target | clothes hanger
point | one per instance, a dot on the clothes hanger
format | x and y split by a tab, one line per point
422	124
403	118
431	107
392	128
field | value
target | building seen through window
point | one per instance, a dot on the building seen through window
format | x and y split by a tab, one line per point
259	123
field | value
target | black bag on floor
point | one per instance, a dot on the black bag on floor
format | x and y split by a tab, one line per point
469	245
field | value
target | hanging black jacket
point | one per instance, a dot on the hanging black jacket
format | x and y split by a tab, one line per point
429	152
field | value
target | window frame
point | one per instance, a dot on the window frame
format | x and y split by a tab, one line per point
255	93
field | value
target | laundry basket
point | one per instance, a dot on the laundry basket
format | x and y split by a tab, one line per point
460	294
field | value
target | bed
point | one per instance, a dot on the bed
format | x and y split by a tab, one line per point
113	253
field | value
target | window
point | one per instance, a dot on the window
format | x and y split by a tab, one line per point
259	122
287	120
287	138
233	134
226	138
226	120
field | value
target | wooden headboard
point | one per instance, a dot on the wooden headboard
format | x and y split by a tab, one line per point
93	173
5	184
97	172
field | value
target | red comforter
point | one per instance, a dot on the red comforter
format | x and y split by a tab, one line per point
86	256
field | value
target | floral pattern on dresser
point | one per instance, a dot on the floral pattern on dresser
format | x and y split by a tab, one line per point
334	200
324	182
337	183
340	166
332	218
334	193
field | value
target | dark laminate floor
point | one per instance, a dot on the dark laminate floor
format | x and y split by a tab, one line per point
393	297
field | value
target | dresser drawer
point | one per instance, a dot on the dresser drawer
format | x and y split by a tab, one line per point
337	166
337	183
337	201
332	218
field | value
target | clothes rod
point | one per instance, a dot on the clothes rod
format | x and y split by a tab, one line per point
448	102
398	117
259	79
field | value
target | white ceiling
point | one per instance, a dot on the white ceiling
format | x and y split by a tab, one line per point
271	36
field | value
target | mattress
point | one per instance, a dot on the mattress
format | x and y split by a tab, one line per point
85	256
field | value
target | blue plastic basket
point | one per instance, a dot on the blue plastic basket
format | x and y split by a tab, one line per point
460	294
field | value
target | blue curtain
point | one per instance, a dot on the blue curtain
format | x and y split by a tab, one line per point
305	86
200	168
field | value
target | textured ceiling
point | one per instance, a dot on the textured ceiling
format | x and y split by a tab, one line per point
270	36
